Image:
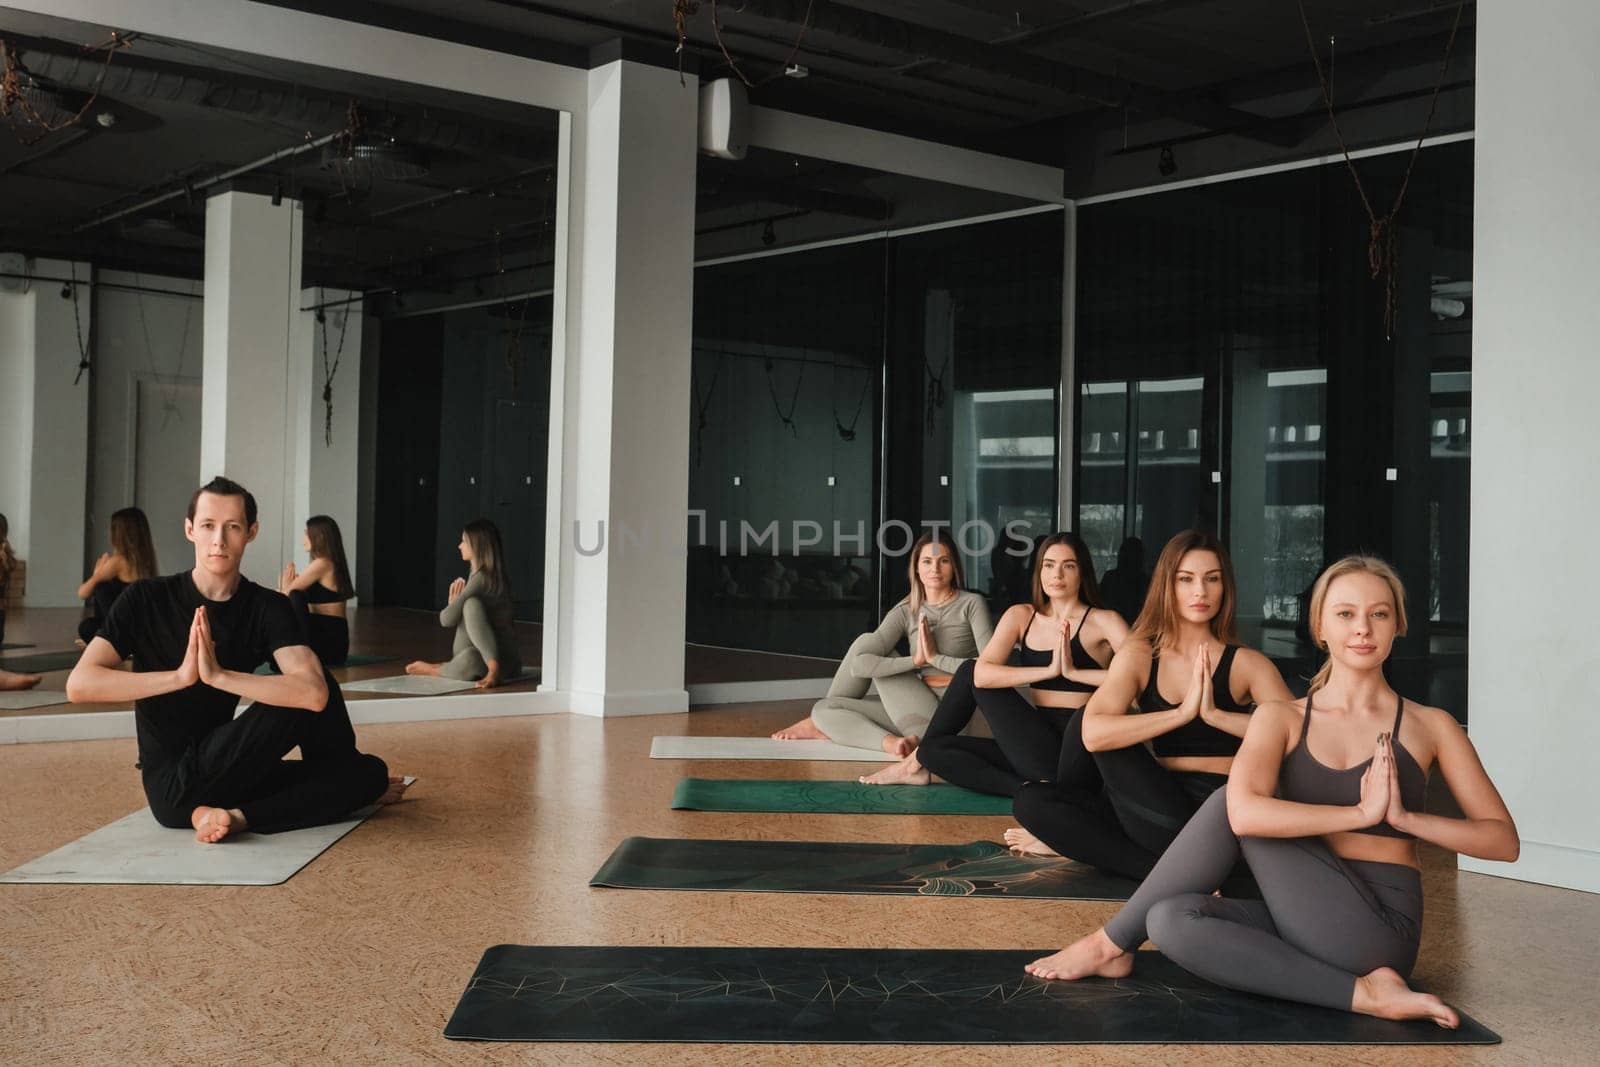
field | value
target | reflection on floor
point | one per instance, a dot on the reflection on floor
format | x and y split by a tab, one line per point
400	635
362	955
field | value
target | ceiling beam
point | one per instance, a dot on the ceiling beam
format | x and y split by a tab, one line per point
911	39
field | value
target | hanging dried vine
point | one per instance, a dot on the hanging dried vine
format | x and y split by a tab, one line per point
684	10
1383	251
330	369
15	104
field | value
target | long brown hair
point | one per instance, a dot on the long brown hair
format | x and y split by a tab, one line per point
327	543
488	556
8	558
130	539
1158	620
918	594
1088	587
1319	596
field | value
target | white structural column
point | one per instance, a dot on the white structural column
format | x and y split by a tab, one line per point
252	312
1533	647
44	429
323	456
624	449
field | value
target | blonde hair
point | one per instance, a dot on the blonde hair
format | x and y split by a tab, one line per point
1319	596
1158	620
919	594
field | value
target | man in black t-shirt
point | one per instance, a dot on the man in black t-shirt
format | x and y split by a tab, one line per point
195	639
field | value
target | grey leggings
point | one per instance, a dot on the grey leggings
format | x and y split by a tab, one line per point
475	644
848	716
1323	921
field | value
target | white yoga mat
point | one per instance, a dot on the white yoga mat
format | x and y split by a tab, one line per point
759	748
419	685
22	699
137	850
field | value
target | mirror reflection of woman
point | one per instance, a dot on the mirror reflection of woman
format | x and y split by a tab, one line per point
132	556
319	592
479	609
1328	821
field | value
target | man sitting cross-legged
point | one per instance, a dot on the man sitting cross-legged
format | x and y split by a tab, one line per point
195	638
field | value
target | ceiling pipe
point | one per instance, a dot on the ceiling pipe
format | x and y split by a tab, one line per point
190	188
135	77
825	17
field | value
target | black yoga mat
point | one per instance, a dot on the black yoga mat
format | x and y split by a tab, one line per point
41	662
882	996
979	869
832	797
8	646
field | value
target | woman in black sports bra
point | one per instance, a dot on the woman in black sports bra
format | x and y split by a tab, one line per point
319	592
1330	837
132	556
1062	640
1183	641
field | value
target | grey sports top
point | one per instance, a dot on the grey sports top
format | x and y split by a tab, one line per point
1308	780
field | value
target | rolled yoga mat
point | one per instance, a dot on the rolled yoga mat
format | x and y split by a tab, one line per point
666	747
979	869
832	797
883	996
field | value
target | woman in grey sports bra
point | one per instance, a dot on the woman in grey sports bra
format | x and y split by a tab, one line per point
1330	837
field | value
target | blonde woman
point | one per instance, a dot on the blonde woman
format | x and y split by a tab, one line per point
1331	837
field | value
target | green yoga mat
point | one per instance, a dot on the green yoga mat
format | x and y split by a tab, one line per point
883	996
41	662
832	797
978	869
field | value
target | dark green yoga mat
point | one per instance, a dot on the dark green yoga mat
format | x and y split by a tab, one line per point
832	797
979	869
882	996
41	662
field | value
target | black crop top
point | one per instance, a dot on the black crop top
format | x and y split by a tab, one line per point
1196	737
1081	660
1306	779
317	593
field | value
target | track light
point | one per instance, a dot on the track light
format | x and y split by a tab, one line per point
1166	164
769	236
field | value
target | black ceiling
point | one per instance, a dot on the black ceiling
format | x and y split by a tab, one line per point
1018	77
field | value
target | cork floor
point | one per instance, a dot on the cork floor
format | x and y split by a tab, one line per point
361	956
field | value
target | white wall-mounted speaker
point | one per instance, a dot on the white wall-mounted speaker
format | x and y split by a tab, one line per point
724	118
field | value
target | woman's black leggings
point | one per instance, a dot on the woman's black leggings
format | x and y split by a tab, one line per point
100	600
1029	743
1322	922
240	765
326	635
1124	827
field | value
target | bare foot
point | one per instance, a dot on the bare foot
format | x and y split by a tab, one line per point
1094	954
213	824
804	730
1385	994
397	789
492	679
80	643
899	747
907	772
418	666
1020	840
8	680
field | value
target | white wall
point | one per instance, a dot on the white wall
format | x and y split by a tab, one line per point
152	341
1534	515
44	430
